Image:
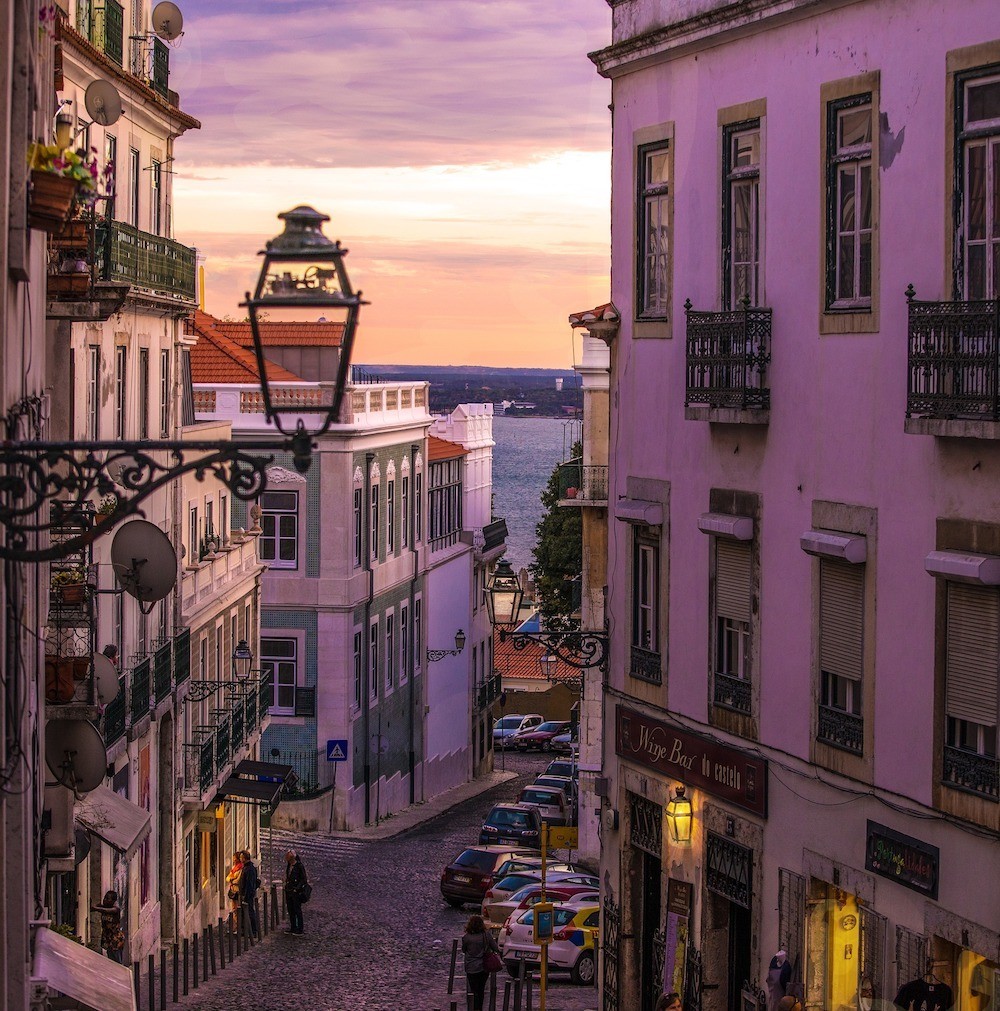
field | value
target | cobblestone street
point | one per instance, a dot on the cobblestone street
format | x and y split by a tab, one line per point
378	935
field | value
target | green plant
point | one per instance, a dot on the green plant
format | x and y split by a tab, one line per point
107	505
77	165
69	577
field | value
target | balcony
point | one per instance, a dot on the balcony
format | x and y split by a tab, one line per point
162	681
73	290
728	354
488	692
646	665
841	730
971	773
583	484
953	368
732	693
139	692
149	263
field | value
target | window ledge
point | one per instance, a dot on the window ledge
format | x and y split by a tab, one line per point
728	415
652	329
953	428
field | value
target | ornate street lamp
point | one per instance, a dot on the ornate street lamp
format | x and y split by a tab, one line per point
503	595
51	487
440	654
549	663
679	817
242	660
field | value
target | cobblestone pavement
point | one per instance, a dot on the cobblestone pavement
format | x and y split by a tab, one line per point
378	935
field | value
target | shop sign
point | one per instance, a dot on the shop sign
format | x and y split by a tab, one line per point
907	861
679	895
725	772
206	821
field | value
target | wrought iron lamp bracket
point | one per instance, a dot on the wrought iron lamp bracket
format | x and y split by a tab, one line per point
440	654
198	691
582	650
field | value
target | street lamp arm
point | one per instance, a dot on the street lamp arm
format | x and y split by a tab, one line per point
581	650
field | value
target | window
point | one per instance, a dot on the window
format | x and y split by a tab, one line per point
373	532
121	401
279	540
358	526
203	658
194	540
418	525
404	640
189	868
654	231
278	666
93	392
155	197
373	660
111	161
741	214
645	652
978	177
357	670
841	647
418	655
223	517
732	624
133	182
164	394
972	670
405	512
849	195
143	393
390	518
445	502
209	519
390	649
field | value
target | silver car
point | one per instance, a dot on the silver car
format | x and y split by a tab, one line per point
551	802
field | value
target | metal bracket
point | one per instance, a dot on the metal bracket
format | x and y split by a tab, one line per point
582	650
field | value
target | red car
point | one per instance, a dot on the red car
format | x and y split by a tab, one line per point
540	737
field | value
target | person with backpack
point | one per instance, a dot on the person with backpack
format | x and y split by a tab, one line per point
249	883
297	892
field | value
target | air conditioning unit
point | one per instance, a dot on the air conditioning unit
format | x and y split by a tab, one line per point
610	819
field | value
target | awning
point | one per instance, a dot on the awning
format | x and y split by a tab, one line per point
736	528
851	548
256	782
91	979
636	510
964	566
120	823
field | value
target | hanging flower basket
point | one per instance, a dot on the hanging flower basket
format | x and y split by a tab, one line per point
51	200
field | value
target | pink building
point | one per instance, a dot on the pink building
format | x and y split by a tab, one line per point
804	543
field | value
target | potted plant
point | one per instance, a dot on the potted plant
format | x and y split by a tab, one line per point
105	508
58	177
70	584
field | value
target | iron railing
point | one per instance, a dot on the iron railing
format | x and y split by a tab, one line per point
646	665
139	691
182	655
114	31
129	255
611	926
489	692
161	67
114	715
728	354
162	683
311	774
732	692
583	483
971	773
953	360
841	730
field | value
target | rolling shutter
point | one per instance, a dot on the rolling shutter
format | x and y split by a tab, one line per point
841	619
973	648
732	579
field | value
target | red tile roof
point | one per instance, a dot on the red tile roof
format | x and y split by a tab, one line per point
215	358
279	334
442	449
606	313
523	664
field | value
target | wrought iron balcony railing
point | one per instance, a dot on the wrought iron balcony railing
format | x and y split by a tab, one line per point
162	681
953	360
732	692
114	716
841	730
646	665
139	692
586	484
971	773
182	656
146	261
728	354
489	692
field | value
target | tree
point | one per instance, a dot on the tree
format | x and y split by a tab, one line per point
558	555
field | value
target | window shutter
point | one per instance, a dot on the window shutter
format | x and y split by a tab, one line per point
732	580
872	944
973	647
791	918
912	952
305	701
841	619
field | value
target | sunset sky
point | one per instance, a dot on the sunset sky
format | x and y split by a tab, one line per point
460	148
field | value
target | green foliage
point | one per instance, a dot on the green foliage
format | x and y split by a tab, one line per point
558	555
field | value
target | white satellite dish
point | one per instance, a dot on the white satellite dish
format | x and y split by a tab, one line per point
168	22
75	754
105	679
104	104
144	561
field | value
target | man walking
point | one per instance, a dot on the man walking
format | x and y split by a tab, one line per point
249	883
296	886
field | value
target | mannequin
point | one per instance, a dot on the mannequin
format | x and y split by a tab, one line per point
779	975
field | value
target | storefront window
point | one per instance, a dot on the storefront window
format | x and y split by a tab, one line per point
970	978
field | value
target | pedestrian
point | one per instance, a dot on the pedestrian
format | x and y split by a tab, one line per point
112	935
669	1002
296	892
233	892
249	883
476	942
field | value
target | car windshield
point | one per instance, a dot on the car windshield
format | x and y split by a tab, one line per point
560	916
548	797
551	728
513	882
508	723
506	817
476	858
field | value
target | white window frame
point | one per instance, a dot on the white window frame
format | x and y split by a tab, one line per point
373	514
732	652
121	390
418	648
405	511
143	393
271	517
390	509
358	667
390	650
359	532
984	136
404	640
133	179
94	392
164	393
373	671
155	196
646	594
654	217
280	679
740	177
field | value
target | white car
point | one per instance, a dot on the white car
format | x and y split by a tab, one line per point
572	949
551	802
507	726
500	911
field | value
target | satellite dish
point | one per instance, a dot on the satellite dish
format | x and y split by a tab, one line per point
144	561
81	845
104	104
75	754
105	679
168	22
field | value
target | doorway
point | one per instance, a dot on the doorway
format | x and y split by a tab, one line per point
739	954
651	954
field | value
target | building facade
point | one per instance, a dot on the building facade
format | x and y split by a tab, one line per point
803	593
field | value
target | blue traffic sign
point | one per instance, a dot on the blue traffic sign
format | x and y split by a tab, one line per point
336	751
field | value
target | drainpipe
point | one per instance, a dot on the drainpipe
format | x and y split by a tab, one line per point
411	533
366	638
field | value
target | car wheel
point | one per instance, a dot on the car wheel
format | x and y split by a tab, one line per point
583	972
546	746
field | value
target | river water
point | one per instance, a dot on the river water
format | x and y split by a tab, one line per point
526	452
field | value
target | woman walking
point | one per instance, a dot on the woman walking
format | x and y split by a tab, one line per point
475	945
234	892
112	935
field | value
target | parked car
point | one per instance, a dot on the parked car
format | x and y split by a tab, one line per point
499	912
507	726
551	801
539	737
562	767
512	883
566	742
564	783
574	932
532	863
468	876
512	824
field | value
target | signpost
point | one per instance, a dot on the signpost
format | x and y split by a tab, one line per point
336	752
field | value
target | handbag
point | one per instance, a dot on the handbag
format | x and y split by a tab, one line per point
492	962
305	893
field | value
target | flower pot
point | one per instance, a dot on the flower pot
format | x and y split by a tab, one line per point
50	201
72	593
60	685
68	284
